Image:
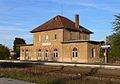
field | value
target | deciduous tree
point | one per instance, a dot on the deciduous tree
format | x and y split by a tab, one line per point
114	39
4	52
16	46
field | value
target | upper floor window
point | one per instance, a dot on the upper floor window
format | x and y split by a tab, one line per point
39	38
46	37
55	36
74	52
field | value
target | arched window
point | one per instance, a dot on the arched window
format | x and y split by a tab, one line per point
39	54
74	52
26	54
55	54
22	50
46	55
93	52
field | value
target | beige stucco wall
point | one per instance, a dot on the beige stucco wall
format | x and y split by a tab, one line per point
82	49
23	52
97	49
53	43
84	52
64	50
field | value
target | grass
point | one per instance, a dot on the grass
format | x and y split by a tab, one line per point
42	74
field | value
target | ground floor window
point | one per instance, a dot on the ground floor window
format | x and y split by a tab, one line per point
74	52
39	54
55	54
46	55
93	52
27	55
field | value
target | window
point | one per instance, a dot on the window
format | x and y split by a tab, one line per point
22	51
46	55
39	54
74	52
55	54
93	52
46	37
39	38
26	54
55	36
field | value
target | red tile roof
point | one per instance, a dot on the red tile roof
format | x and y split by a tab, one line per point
60	22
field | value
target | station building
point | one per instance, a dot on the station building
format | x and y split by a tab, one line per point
61	40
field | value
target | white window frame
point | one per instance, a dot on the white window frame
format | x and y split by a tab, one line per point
74	53
55	36
55	54
39	38
46	37
46	55
93	53
39	54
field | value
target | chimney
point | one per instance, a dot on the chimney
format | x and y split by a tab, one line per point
77	21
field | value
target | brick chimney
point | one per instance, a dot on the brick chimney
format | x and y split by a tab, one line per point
77	21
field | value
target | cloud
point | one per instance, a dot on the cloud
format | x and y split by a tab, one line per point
108	6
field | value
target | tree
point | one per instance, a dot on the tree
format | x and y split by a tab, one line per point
114	39
4	52
16	46
116	24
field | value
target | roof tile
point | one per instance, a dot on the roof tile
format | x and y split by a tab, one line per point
59	22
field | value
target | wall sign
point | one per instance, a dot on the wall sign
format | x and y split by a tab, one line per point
46	44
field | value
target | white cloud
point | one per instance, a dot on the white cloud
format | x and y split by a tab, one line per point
92	4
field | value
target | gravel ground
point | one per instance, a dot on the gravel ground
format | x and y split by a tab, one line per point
12	81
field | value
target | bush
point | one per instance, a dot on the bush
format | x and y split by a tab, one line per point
4	52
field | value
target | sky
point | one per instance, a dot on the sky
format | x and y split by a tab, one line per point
19	17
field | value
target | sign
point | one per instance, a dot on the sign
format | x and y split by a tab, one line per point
46	44
105	46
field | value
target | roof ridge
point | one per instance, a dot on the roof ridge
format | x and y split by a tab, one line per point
61	19
59	22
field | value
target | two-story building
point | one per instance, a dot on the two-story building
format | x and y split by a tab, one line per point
62	40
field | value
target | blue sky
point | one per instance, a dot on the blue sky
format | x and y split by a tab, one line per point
18	17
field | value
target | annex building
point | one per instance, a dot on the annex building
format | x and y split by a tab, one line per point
62	40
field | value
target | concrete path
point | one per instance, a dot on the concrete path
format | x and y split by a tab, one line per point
12	81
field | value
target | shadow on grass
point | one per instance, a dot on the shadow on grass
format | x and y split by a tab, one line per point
14	65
